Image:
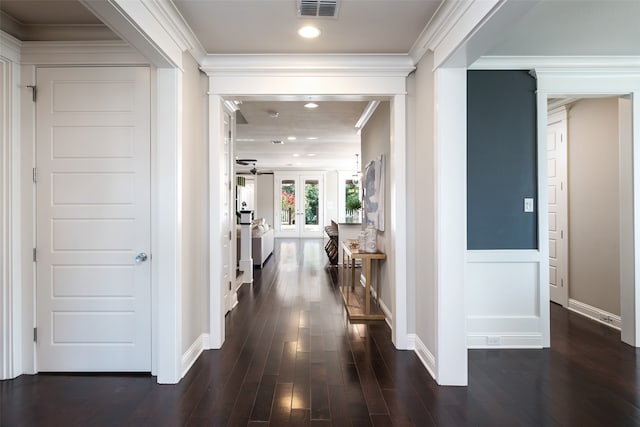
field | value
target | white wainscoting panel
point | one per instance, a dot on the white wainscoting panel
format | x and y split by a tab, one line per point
503	299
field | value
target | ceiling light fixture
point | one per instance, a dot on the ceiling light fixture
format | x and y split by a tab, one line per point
312	138
366	114
291	138
309	32
311	155
311	105
296	155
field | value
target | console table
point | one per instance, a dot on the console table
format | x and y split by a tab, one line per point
360	308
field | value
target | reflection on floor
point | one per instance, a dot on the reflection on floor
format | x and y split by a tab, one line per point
291	358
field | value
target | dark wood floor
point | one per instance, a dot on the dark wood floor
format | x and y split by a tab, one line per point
291	358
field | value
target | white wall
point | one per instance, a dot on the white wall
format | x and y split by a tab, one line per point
375	140
422	163
593	176
264	208
195	208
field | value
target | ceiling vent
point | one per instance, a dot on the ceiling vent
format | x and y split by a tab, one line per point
317	8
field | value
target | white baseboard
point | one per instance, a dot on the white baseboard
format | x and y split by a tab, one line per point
504	341
595	313
191	355
383	306
423	353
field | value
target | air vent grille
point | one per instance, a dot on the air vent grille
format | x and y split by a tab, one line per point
318	8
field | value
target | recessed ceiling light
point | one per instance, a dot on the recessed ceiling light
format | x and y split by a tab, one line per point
309	32
296	155
291	138
311	155
311	138
310	105
245	139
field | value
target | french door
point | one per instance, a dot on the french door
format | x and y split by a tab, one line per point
299	204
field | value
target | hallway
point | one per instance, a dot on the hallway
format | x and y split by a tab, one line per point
291	358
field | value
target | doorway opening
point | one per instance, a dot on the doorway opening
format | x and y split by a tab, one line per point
589	141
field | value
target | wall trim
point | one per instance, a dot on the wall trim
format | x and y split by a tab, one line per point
193	352
308	65
594	313
81	53
10	47
504	341
388	317
423	353
570	63
503	256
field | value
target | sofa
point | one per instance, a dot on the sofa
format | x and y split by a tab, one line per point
262	241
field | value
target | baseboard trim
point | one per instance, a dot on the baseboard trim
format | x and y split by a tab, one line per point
423	353
504	341
595	313
383	306
191	355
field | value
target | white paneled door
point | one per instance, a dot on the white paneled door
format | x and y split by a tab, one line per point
299	202
557	171
93	219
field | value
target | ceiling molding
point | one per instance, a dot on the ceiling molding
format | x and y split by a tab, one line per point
441	23
378	65
10	47
168	16
89	53
134	22
556	62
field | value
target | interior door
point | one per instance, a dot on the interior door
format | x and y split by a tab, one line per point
299	202
557	181
93	219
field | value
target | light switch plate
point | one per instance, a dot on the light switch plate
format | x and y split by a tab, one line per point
528	204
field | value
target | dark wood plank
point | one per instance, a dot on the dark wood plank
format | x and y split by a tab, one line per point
291	357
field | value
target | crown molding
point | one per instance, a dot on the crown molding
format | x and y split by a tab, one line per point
172	21
441	23
10	47
89	53
299	65
623	63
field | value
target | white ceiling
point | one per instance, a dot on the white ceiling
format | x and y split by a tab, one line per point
332	125
270	26
552	27
575	28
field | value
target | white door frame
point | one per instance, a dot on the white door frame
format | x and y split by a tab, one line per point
559	115
592	81
165	150
339	78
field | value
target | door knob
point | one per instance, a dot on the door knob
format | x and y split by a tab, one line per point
141	257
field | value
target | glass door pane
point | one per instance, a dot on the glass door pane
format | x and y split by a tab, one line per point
312	209
288	205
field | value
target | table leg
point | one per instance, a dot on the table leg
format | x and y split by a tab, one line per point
378	282
367	293
353	273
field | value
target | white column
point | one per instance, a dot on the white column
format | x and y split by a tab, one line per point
451	220
167	226
398	223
